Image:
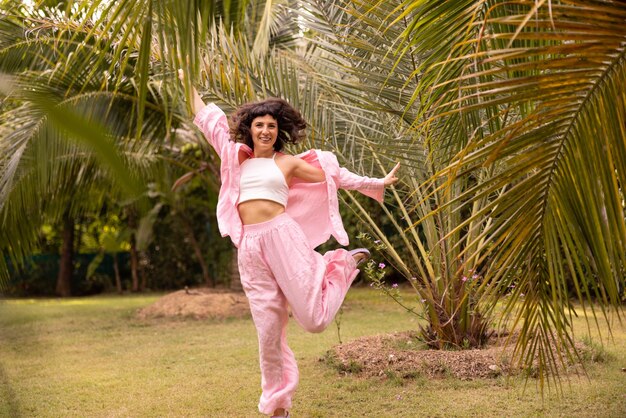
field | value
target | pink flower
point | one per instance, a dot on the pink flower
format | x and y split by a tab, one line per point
381	266
395	285
464	279
475	276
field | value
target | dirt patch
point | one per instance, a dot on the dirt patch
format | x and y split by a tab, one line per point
199	303
402	355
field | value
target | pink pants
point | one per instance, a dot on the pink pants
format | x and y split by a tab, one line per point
278	267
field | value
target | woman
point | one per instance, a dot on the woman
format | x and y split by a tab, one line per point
277	208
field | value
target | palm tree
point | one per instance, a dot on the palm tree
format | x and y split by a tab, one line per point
529	97
64	132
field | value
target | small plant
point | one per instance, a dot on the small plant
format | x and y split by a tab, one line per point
443	368
375	273
352	367
331	359
531	371
413	343
449	303
411	374
465	344
594	352
393	378
338	323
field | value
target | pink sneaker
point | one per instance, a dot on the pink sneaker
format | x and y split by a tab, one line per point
360	251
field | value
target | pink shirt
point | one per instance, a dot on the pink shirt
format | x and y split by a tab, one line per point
313	205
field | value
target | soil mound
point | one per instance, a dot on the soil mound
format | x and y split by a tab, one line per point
201	303
403	355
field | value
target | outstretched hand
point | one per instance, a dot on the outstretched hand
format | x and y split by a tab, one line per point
391	177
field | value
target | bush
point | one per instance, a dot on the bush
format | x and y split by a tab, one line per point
39	274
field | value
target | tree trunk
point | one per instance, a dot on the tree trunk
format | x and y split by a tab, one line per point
235	279
134	263
116	269
143	257
66	264
198	251
134	256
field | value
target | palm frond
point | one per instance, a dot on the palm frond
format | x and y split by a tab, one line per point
535	90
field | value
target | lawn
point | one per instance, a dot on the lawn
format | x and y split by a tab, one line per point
91	357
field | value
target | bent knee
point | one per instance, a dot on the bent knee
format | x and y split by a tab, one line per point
315	326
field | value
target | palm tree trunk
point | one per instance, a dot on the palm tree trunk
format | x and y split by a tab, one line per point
66	264
143	257
198	251
134	263
235	279
116	269
134	256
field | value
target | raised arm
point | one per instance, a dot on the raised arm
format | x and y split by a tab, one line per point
197	103
211	120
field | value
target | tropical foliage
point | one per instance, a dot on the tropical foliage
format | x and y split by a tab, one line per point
507	117
527	100
515	194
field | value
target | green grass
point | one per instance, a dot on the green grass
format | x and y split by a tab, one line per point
91	358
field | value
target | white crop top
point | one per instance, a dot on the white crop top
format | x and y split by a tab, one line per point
262	179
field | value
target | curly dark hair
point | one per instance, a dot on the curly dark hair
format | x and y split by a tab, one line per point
291	125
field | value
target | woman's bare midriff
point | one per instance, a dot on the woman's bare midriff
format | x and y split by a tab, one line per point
257	211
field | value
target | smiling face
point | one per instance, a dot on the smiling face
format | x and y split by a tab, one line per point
264	131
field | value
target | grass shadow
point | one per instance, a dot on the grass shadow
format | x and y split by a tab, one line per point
8	396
